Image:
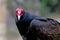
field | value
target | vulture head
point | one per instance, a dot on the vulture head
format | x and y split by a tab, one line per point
19	13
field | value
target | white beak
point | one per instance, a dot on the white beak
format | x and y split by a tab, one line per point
18	17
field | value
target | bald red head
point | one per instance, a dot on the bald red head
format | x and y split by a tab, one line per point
19	12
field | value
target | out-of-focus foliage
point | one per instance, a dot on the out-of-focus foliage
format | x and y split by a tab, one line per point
9	4
49	6
45	7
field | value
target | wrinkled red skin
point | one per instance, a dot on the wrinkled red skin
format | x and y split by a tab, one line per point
19	12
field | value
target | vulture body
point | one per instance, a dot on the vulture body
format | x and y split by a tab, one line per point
38	28
44	30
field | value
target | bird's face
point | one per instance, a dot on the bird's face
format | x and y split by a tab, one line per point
19	13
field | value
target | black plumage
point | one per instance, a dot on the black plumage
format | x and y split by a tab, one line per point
45	29
24	22
38	28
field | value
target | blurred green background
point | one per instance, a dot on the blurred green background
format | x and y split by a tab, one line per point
46	8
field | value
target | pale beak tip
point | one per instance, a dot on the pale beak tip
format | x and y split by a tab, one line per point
18	17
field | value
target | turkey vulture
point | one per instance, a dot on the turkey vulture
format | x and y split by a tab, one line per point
37	28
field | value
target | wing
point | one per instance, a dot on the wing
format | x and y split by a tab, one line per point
45	29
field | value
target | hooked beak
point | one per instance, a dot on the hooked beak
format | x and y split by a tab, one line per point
18	17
